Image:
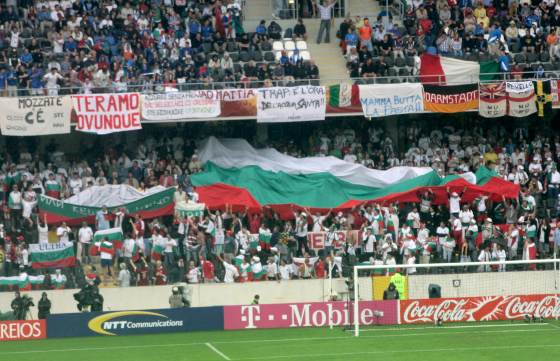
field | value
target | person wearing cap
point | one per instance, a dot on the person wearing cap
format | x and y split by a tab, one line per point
455	202
301	230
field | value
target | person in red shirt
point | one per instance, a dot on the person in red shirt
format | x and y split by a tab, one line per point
207	270
320	268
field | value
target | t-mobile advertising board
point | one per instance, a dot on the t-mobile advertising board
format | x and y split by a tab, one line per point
316	314
488	308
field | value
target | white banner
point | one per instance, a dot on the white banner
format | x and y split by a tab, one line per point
381	100
180	106
107	113
521	104
30	116
519	86
291	104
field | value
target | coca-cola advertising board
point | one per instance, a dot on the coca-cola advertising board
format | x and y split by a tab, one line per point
487	308
315	314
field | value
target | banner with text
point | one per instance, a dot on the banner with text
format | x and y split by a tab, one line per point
450	98
107	113
180	106
471	309
382	100
314	314
237	102
336	239
291	104
32	116
519	86
493	100
23	330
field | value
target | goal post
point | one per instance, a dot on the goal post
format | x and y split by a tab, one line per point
458	292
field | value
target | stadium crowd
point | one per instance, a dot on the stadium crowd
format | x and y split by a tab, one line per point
85	46
522	36
228	246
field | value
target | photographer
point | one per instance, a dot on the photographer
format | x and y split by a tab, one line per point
177	299
21	305
97	301
89	299
44	306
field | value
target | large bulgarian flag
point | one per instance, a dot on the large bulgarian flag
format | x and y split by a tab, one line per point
436	69
235	174
53	255
155	202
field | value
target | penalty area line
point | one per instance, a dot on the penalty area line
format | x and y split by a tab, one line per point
220	353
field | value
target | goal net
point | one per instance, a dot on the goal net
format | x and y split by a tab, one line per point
455	292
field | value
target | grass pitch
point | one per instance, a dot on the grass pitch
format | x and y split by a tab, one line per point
451	342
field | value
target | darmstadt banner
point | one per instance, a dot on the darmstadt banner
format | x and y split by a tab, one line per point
488	308
291	104
135	322
107	113
31	116
22	330
314	314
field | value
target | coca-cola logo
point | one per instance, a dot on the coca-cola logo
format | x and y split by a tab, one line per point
547	307
486	308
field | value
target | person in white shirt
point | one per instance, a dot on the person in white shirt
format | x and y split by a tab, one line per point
285	270
301	231
272	270
43	230
193	274
52	80
62	232
231	272
455	202
85	236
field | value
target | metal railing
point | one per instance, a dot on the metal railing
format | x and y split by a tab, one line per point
149	88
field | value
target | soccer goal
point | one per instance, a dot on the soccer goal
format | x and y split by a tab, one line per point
440	293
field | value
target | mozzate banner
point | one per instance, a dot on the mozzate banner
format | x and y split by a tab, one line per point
22	330
32	116
180	106
107	113
315	314
382	100
450	98
488	308
291	104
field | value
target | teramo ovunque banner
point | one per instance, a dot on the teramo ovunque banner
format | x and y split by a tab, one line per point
107	113
291	104
31	116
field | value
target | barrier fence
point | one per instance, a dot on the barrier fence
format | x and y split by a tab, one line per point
287	315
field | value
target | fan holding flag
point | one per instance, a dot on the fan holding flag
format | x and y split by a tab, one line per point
107	253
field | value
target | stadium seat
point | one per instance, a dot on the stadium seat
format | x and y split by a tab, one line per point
305	55
269	56
266	46
519	58
244	56
257	55
289	45
532	57
544	56
399	62
301	45
277	46
277	55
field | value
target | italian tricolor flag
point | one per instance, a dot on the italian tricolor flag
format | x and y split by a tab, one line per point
435	69
57	255
113	235
343	95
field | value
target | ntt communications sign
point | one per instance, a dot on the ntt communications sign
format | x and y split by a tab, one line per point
135	322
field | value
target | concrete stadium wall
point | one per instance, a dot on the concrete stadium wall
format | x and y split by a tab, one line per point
452	285
138	298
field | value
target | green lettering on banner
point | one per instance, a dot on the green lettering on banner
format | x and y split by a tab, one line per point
68	210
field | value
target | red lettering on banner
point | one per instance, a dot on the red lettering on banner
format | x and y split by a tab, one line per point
107	113
489	308
22	330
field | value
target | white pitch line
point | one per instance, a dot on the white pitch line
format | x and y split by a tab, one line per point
220	353
382	329
300	339
408	351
